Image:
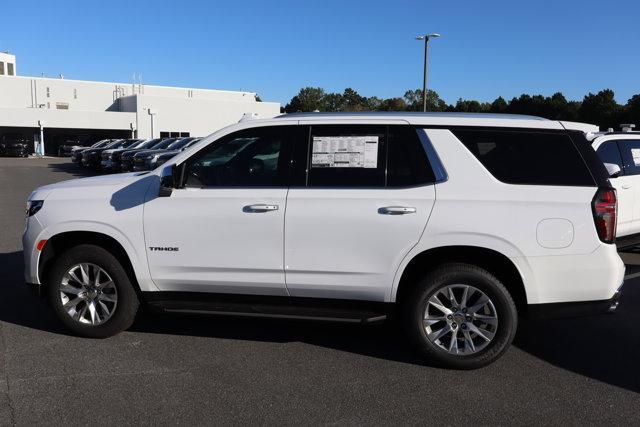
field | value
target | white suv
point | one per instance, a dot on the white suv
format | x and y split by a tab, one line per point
455	223
620	152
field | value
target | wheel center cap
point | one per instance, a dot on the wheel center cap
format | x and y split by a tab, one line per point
458	318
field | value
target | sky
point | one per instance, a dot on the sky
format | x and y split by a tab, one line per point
488	48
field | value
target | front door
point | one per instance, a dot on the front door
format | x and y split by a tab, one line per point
223	232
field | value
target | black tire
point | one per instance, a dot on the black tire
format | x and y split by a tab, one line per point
413	309
127	299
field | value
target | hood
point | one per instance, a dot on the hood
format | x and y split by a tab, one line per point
86	185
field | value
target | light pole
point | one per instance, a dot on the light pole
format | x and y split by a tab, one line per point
426	38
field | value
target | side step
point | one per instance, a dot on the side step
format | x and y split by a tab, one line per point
315	309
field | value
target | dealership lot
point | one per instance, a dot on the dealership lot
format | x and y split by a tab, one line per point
178	370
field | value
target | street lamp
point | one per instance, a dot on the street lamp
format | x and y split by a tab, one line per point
426	38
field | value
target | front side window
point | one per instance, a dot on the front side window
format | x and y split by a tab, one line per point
630	149
248	158
528	157
609	153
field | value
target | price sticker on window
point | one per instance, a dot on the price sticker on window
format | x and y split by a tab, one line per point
345	152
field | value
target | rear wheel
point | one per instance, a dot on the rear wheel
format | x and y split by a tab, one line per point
461	316
91	293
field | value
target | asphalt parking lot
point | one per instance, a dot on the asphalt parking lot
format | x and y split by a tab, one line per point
170	370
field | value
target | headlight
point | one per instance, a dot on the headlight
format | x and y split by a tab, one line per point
33	206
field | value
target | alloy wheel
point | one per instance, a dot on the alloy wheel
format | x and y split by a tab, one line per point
88	294
460	319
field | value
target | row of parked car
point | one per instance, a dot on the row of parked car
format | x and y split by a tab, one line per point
126	155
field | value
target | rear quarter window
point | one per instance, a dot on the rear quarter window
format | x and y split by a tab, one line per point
528	157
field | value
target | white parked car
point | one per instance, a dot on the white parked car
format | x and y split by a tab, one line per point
455	223
620	151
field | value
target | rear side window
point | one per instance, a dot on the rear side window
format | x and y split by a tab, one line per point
528	157
407	163
347	156
609	153
630	149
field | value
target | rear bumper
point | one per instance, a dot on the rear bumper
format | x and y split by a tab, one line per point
574	309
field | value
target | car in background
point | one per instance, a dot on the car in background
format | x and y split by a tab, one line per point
91	158
162	158
76	153
108	156
620	153
67	148
14	146
147	160
116	155
126	159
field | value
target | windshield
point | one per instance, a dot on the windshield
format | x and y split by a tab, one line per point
115	144
128	143
100	143
140	144
179	143
164	144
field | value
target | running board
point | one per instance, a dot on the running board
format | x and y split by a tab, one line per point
345	311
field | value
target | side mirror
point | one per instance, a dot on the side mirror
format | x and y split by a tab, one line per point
170	178
613	170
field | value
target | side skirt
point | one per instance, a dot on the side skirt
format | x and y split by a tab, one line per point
333	310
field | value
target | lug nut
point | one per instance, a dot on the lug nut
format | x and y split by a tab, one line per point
449	317
464	326
454	326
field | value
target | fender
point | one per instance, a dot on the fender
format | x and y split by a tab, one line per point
138	258
478	240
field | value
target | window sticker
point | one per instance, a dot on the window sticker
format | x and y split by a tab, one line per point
345	152
635	153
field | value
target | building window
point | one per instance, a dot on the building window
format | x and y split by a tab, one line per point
62	106
1	68
185	134
165	134
48	92
75	94
10	69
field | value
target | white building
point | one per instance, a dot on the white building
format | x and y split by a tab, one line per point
59	111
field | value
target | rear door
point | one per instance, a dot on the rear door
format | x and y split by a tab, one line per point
365	195
609	152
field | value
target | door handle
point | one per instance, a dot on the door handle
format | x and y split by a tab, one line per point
626	186
260	208
396	210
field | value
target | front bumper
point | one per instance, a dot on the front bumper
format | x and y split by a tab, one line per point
574	309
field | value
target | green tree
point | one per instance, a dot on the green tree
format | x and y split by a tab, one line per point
499	105
413	99
601	109
308	99
393	104
632	110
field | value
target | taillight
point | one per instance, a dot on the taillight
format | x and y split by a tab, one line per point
605	214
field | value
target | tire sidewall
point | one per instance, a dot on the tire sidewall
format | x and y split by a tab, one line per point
502	301
126	306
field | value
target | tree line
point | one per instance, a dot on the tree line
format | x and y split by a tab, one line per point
600	108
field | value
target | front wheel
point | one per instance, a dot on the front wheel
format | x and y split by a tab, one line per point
461	316
91	293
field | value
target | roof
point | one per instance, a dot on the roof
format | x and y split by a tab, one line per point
428	119
414	114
